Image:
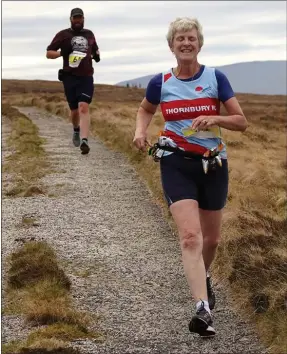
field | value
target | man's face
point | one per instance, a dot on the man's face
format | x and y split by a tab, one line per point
77	22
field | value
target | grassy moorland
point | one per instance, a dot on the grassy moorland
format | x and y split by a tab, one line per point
252	257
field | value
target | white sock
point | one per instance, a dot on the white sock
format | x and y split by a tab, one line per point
206	305
207	275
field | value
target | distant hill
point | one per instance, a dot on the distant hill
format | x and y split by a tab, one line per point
258	77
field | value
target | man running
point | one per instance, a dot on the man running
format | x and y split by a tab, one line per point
78	47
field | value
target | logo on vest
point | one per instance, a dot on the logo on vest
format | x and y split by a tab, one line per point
205	108
201	89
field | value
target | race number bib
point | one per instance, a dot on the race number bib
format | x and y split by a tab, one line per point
75	59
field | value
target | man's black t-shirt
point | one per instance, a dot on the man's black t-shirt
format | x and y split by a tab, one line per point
77	49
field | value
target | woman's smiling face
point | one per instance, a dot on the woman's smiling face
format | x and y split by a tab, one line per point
185	45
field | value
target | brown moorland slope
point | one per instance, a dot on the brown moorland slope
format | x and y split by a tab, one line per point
252	257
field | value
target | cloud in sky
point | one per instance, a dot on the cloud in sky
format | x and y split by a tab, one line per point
131	34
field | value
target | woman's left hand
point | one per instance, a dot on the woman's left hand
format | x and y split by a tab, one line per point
204	122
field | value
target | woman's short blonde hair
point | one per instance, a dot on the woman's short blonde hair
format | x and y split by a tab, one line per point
184	24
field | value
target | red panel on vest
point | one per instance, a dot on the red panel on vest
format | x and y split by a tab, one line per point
189	109
166	77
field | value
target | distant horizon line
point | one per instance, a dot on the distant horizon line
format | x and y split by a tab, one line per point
217	66
99	83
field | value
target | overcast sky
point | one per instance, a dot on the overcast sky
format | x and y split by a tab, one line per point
132	34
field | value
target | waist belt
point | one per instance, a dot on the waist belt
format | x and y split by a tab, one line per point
185	153
210	159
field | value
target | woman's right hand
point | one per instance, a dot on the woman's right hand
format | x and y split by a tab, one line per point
140	140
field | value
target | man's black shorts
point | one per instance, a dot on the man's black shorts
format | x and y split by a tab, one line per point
184	178
78	89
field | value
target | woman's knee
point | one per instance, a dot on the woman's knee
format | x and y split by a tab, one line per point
191	239
83	107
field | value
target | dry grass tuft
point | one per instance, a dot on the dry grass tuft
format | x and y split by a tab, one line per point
39	289
33	190
28	221
35	262
64	332
28	162
42	346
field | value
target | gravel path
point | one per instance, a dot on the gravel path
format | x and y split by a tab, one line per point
117	248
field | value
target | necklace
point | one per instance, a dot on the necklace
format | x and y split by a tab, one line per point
192	77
